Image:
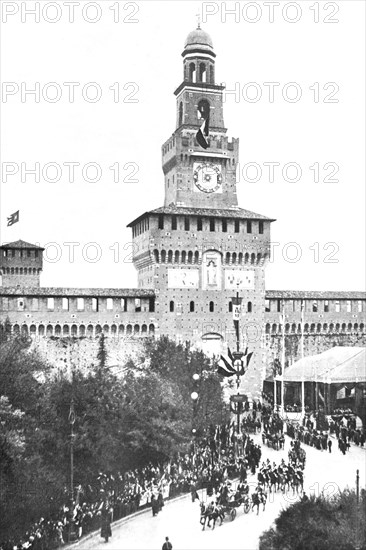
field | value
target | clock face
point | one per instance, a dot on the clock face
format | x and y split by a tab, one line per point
207	177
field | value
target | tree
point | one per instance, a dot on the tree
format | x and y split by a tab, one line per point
178	363
318	523
102	354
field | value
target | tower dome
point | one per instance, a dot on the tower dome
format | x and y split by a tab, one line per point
198	39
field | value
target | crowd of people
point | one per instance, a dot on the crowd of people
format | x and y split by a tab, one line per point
222	453
345	433
210	460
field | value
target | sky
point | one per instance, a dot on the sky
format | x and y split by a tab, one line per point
298	73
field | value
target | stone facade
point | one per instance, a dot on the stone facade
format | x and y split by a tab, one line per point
193	256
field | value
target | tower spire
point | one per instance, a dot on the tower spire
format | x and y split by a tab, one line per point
198	15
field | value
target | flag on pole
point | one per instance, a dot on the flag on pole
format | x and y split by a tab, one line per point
72	413
225	367
13	218
202	134
249	356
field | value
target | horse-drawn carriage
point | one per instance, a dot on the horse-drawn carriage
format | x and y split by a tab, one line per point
222	508
274	440
297	455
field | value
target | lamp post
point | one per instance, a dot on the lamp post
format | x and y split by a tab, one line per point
194	397
236	401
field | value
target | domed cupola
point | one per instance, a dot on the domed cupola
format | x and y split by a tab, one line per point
199	57
198	40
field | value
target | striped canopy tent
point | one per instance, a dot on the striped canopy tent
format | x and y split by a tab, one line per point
338	365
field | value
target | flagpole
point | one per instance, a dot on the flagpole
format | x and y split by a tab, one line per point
72	532
302	357
283	359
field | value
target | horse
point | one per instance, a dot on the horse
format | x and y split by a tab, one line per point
205	514
210	512
273	480
259	497
283	480
262	478
297	483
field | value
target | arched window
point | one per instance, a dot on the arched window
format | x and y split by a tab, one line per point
74	330
355	327
249	307
136	329
287	328
151	329
184	255
240	258
121	330
306	327
259	259
106	329
331	327
176	257
293	328
344	326
156	256
227	258
196	257
32	330
318	327
180	113
230	307
170	256
129	329
49	330
212	307
163	256
191	306
268	328
98	329
192	72
233	258
190	257
252	259
246	258
82	330
204	108
58	330
24	330
274	328
66	330
203	74
325	327
89	330
171	306
144	329
312	327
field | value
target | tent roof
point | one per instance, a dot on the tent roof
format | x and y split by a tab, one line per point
336	365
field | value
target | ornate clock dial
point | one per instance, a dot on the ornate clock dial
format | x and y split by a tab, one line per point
207	177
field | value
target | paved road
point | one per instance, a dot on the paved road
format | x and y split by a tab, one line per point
180	519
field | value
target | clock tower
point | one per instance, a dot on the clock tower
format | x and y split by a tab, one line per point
200	248
196	176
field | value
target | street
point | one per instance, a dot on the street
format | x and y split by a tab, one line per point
179	520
